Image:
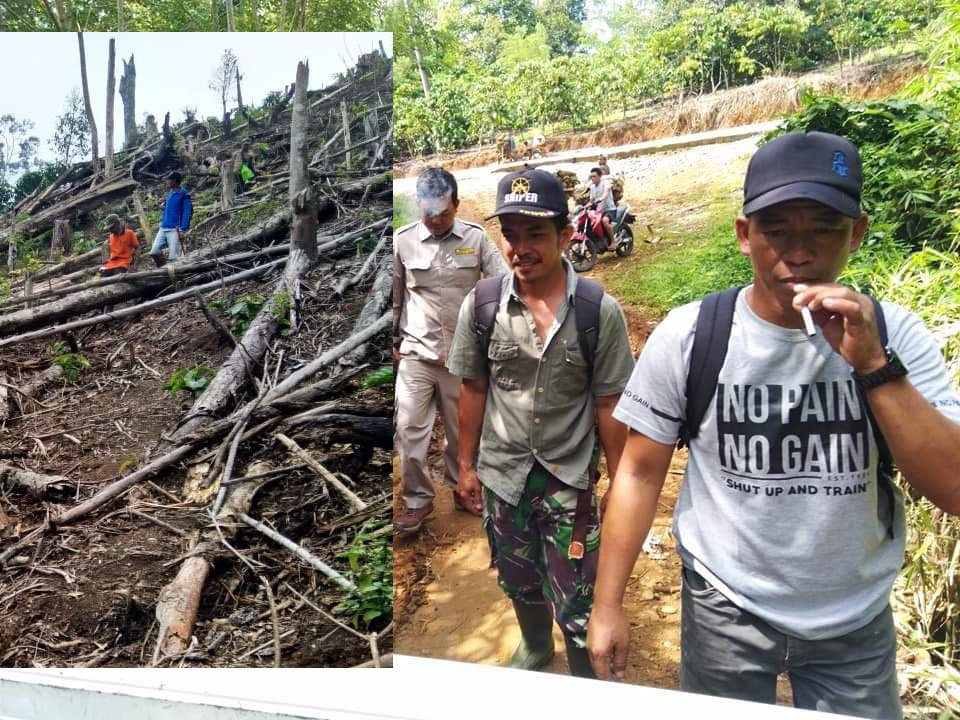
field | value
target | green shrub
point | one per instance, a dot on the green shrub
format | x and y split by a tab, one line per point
371	570
195	380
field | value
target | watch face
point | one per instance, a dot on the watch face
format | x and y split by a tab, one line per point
891	371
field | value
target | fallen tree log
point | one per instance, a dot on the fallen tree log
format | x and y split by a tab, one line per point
36	484
77	205
25	396
142	307
179	600
371	430
246	356
378	302
179	270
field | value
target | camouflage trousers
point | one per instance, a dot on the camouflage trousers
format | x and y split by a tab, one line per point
529	544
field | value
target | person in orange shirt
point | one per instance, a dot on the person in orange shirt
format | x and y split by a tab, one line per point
124	248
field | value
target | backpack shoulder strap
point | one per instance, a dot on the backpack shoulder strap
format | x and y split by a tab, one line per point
486	299
710	343
586	307
886	502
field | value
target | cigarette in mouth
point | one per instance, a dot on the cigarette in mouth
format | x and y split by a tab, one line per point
808	321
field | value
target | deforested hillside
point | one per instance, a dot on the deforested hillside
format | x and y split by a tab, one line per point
195	457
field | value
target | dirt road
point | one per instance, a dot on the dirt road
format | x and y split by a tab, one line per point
447	602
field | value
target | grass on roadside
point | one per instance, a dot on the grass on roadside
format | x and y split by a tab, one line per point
704	258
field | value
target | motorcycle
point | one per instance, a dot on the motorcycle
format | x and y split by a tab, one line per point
589	240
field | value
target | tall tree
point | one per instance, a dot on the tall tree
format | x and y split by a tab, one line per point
86	104
231	19
128	88
71	138
18	149
111	91
222	83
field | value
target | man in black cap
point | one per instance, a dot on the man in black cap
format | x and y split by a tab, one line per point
789	531
534	401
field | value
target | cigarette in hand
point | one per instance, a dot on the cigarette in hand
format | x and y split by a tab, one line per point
808	321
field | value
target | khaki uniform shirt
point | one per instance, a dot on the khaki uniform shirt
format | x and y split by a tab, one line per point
431	277
540	402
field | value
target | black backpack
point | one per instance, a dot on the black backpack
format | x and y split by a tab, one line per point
710	342
586	307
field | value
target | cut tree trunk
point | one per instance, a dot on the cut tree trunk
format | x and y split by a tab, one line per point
128	87
145	226
62	243
34	483
228	193
302	197
111	88
88	107
346	129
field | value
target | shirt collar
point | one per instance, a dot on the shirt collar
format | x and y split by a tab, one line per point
424	234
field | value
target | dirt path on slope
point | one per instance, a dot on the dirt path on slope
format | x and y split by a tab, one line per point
447	602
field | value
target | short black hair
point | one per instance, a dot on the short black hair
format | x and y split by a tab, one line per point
176	177
435	182
596	170
560	222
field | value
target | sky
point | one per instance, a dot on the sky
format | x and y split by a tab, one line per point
174	70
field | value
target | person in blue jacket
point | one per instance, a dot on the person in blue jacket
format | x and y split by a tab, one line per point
176	219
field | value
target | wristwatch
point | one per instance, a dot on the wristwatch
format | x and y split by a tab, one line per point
891	371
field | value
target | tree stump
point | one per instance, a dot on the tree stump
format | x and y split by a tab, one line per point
62	243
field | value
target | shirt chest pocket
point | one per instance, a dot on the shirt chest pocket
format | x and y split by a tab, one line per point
422	274
504	361
570	374
465	270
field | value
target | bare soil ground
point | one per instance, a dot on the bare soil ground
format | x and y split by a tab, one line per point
86	594
447	602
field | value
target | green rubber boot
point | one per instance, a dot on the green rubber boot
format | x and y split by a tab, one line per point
578	660
536	625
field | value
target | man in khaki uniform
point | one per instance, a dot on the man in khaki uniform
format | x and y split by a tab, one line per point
436	262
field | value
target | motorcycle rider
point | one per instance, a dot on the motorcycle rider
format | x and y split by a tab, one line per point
601	196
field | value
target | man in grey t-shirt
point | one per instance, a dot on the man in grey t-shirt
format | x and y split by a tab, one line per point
787	564
601	194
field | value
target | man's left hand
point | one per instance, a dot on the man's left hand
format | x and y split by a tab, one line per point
847	321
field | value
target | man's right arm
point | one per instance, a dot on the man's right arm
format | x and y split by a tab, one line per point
399	289
473	404
630	511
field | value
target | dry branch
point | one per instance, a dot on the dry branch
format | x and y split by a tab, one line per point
307	557
320	470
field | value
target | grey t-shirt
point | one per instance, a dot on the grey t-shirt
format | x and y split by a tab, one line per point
597	190
778	508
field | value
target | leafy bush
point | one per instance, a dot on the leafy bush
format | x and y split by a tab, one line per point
382	376
195	380
243	311
371	570
911	166
73	364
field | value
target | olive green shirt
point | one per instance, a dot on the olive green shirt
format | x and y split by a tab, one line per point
540	402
